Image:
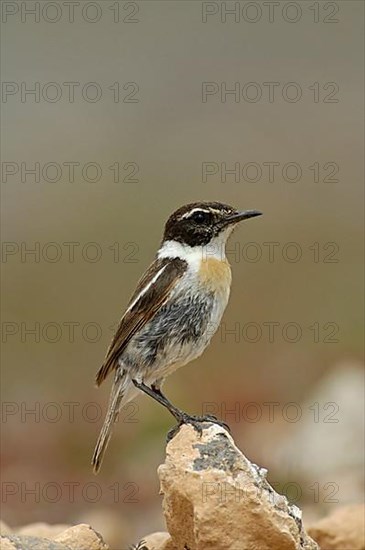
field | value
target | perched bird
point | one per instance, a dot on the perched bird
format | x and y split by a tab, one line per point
174	311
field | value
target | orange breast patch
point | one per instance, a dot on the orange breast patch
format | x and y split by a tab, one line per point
215	274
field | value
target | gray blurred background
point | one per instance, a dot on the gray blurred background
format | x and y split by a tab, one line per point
142	134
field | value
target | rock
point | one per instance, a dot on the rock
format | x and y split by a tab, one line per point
23	542
216	499
155	541
6	544
342	530
44	530
82	537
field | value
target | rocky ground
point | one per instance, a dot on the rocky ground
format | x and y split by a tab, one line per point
214	498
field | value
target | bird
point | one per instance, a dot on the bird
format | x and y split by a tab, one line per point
175	310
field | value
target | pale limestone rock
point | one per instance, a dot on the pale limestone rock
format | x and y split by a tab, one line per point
81	537
45	530
24	542
342	530
6	544
216	499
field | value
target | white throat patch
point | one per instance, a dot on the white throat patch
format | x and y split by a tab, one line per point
195	254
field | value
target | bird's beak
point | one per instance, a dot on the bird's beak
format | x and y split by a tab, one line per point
240	216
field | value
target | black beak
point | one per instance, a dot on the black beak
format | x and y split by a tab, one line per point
240	216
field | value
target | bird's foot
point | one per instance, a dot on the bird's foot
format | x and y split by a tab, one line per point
196	422
214	420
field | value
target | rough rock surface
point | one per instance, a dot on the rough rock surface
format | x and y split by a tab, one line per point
25	542
42	530
79	537
82	537
342	530
216	499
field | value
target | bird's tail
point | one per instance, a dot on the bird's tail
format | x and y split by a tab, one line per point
122	392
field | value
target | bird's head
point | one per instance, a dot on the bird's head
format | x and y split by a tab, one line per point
202	223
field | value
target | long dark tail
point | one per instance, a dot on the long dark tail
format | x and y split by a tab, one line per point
122	392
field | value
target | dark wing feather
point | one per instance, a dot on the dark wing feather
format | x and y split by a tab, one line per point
144	309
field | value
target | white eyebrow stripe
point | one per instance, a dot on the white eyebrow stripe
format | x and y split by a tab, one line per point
145	289
191	212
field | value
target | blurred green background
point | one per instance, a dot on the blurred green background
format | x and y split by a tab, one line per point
164	138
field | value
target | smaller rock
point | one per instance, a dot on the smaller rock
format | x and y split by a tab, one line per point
81	537
342	530
6	544
45	530
23	542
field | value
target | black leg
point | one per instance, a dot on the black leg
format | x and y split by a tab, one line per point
180	416
156	394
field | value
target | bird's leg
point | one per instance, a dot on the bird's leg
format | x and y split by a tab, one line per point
185	418
156	394
180	416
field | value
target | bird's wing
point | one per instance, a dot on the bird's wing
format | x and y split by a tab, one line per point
150	295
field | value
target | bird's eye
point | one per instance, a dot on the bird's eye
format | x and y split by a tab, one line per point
200	217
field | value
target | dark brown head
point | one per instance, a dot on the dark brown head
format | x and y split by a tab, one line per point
196	224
